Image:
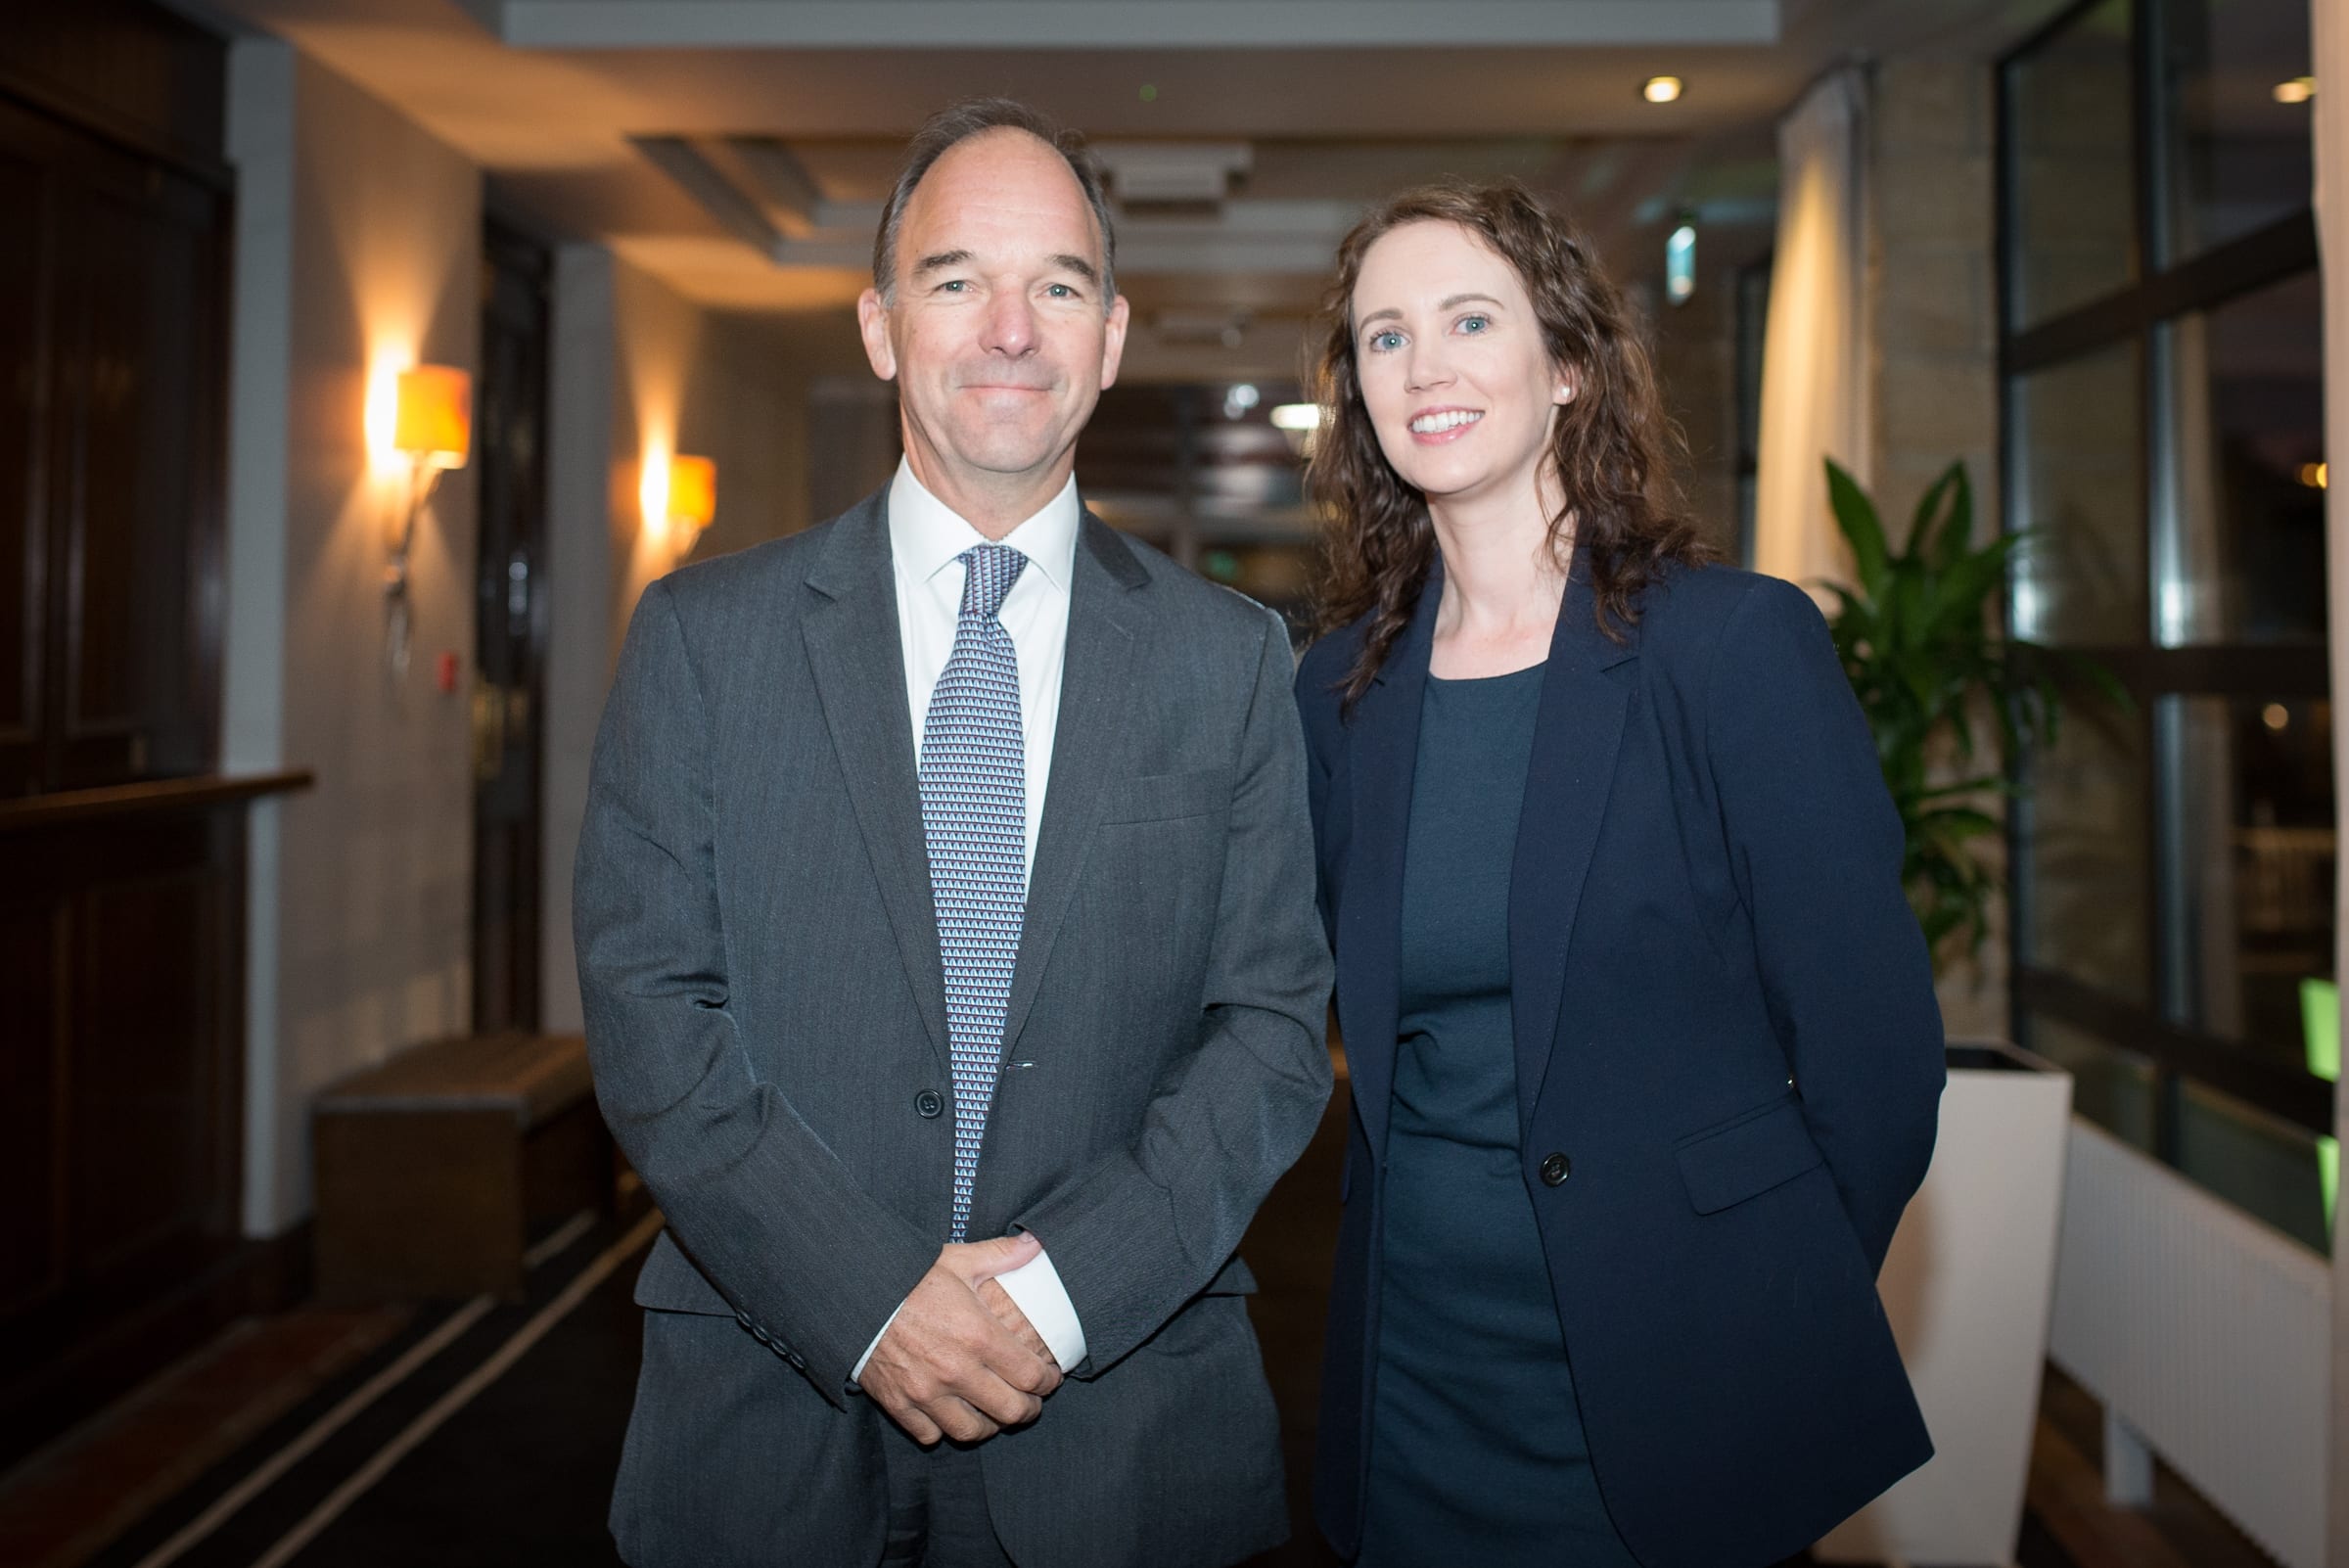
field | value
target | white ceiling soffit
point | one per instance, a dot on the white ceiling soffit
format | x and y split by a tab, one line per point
1123	23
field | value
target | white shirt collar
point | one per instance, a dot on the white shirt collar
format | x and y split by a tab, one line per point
926	535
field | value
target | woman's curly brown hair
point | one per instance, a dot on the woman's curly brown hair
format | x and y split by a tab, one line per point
1611	447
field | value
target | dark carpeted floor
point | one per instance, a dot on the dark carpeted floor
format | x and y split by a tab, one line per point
520	1473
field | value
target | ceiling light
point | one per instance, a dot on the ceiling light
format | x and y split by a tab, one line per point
1662	89
2299	90
1298	416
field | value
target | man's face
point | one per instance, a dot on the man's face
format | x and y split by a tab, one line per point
997	337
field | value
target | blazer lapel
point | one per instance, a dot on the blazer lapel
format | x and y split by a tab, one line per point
1576	737
1383	747
859	665
1097	706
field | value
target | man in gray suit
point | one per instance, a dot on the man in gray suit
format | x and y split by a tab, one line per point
952	977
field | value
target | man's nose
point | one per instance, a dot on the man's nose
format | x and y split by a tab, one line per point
1010	327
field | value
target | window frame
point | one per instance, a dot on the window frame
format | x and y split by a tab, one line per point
2161	293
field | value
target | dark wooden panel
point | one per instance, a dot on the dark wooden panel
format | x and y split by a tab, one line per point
31	1050
112	323
23	263
145	1068
510	625
156	798
134	72
133	481
137	1010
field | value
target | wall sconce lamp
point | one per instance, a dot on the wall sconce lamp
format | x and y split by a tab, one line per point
692	501
433	430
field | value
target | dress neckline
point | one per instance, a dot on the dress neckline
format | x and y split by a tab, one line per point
1533	668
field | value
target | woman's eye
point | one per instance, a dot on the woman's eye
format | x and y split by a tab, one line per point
1385	341
1473	324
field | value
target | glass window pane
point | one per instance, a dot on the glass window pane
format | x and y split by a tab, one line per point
2086	855
2071	140
2246	562
2079	458
2273	1170
2238	144
2256	846
2110	1086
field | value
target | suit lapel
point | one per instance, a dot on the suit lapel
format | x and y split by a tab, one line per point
859	667
1575	738
1383	746
1089	741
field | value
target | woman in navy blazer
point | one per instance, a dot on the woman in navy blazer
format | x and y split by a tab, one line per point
1644	1053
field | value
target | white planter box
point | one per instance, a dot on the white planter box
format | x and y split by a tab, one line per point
1967	1286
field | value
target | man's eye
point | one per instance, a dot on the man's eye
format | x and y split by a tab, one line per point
952	285
1060	290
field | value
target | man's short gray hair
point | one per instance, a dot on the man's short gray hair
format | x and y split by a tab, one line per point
958	124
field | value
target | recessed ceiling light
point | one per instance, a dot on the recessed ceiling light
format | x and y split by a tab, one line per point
1298	416
2299	90
1661	89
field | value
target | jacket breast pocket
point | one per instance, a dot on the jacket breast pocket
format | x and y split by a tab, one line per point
1747	1155
1169	797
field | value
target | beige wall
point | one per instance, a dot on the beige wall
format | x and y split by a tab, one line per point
1932	283
1929	290
1696	370
1932	299
373	879
680	379
362	253
729	389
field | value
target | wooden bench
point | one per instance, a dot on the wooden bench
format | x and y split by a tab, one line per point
433	1165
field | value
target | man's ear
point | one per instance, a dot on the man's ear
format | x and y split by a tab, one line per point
872	323
1113	341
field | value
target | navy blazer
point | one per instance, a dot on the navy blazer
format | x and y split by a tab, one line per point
1729	1055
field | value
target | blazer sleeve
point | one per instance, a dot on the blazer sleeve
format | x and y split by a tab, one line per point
1139	1232
803	1255
1815	848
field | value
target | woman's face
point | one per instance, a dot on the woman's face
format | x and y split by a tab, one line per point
1459	387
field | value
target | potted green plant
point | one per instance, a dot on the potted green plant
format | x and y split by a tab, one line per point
1971	1273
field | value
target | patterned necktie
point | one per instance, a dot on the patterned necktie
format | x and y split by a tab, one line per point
974	779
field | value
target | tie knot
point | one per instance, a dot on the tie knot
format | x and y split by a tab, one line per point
989	572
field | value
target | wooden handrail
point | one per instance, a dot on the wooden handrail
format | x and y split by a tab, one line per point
153	798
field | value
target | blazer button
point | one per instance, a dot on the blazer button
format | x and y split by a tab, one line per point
1555	1168
927	1104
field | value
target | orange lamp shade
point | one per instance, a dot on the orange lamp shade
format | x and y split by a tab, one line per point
692	492
435	424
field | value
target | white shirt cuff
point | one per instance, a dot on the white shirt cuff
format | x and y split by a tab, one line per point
1034	1288
857	1370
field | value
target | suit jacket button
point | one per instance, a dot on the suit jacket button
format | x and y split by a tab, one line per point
927	1104
1555	1168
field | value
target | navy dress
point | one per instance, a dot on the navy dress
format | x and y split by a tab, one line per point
1476	1447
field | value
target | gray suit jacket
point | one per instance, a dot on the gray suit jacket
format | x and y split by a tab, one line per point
765	1004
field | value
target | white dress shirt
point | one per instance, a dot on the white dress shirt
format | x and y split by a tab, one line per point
926	539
